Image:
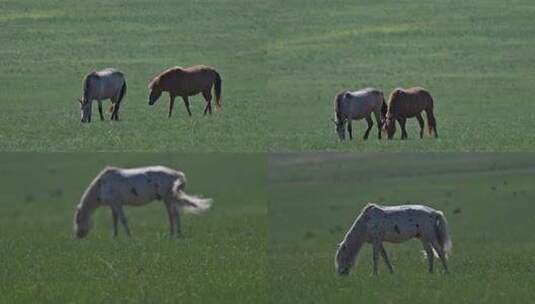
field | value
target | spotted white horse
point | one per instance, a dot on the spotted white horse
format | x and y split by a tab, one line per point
377	224
100	85
117	187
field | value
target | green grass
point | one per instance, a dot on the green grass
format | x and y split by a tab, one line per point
474	56
314	198
48	46
220	259
281	62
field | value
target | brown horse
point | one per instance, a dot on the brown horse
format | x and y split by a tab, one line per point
185	82
408	103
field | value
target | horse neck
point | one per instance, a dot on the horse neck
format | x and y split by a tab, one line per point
89	200
357	235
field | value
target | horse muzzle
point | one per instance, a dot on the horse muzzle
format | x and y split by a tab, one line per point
343	272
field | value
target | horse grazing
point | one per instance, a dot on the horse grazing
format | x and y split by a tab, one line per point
185	82
116	187
377	224
408	103
100	85
357	105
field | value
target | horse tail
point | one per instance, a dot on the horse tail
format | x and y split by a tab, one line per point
217	89
121	95
431	121
441	231
189	203
384	109
337	104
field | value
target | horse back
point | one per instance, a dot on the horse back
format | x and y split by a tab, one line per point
190	81
409	102
359	104
103	84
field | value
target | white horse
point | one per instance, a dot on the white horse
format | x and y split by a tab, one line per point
115	187
396	224
100	85
357	105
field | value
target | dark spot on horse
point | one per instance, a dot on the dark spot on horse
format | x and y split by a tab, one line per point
397	229
134	191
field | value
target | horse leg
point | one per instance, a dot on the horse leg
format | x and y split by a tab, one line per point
208	97
122	218
421	123
379	124
172	213
171	104
441	255
186	103
375	259
116	111
385	257
370	125
430	254
100	109
114	217
90	111
402	122
349	129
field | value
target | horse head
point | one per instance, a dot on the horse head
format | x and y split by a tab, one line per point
339	127
343	260
85	110
155	92
82	223
389	126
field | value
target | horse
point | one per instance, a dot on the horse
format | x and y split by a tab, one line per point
117	187
408	103
100	85
377	224
186	82
357	105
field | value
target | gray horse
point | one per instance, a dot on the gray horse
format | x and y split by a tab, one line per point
357	105
100	85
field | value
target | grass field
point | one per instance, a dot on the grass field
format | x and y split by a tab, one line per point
281	63
48	46
475	57
314	198
220	259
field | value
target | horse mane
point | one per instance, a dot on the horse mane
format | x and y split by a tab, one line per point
155	81
90	196
86	80
356	236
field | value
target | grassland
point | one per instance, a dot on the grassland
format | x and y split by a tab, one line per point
487	198
281	62
48	46
220	259
476	58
